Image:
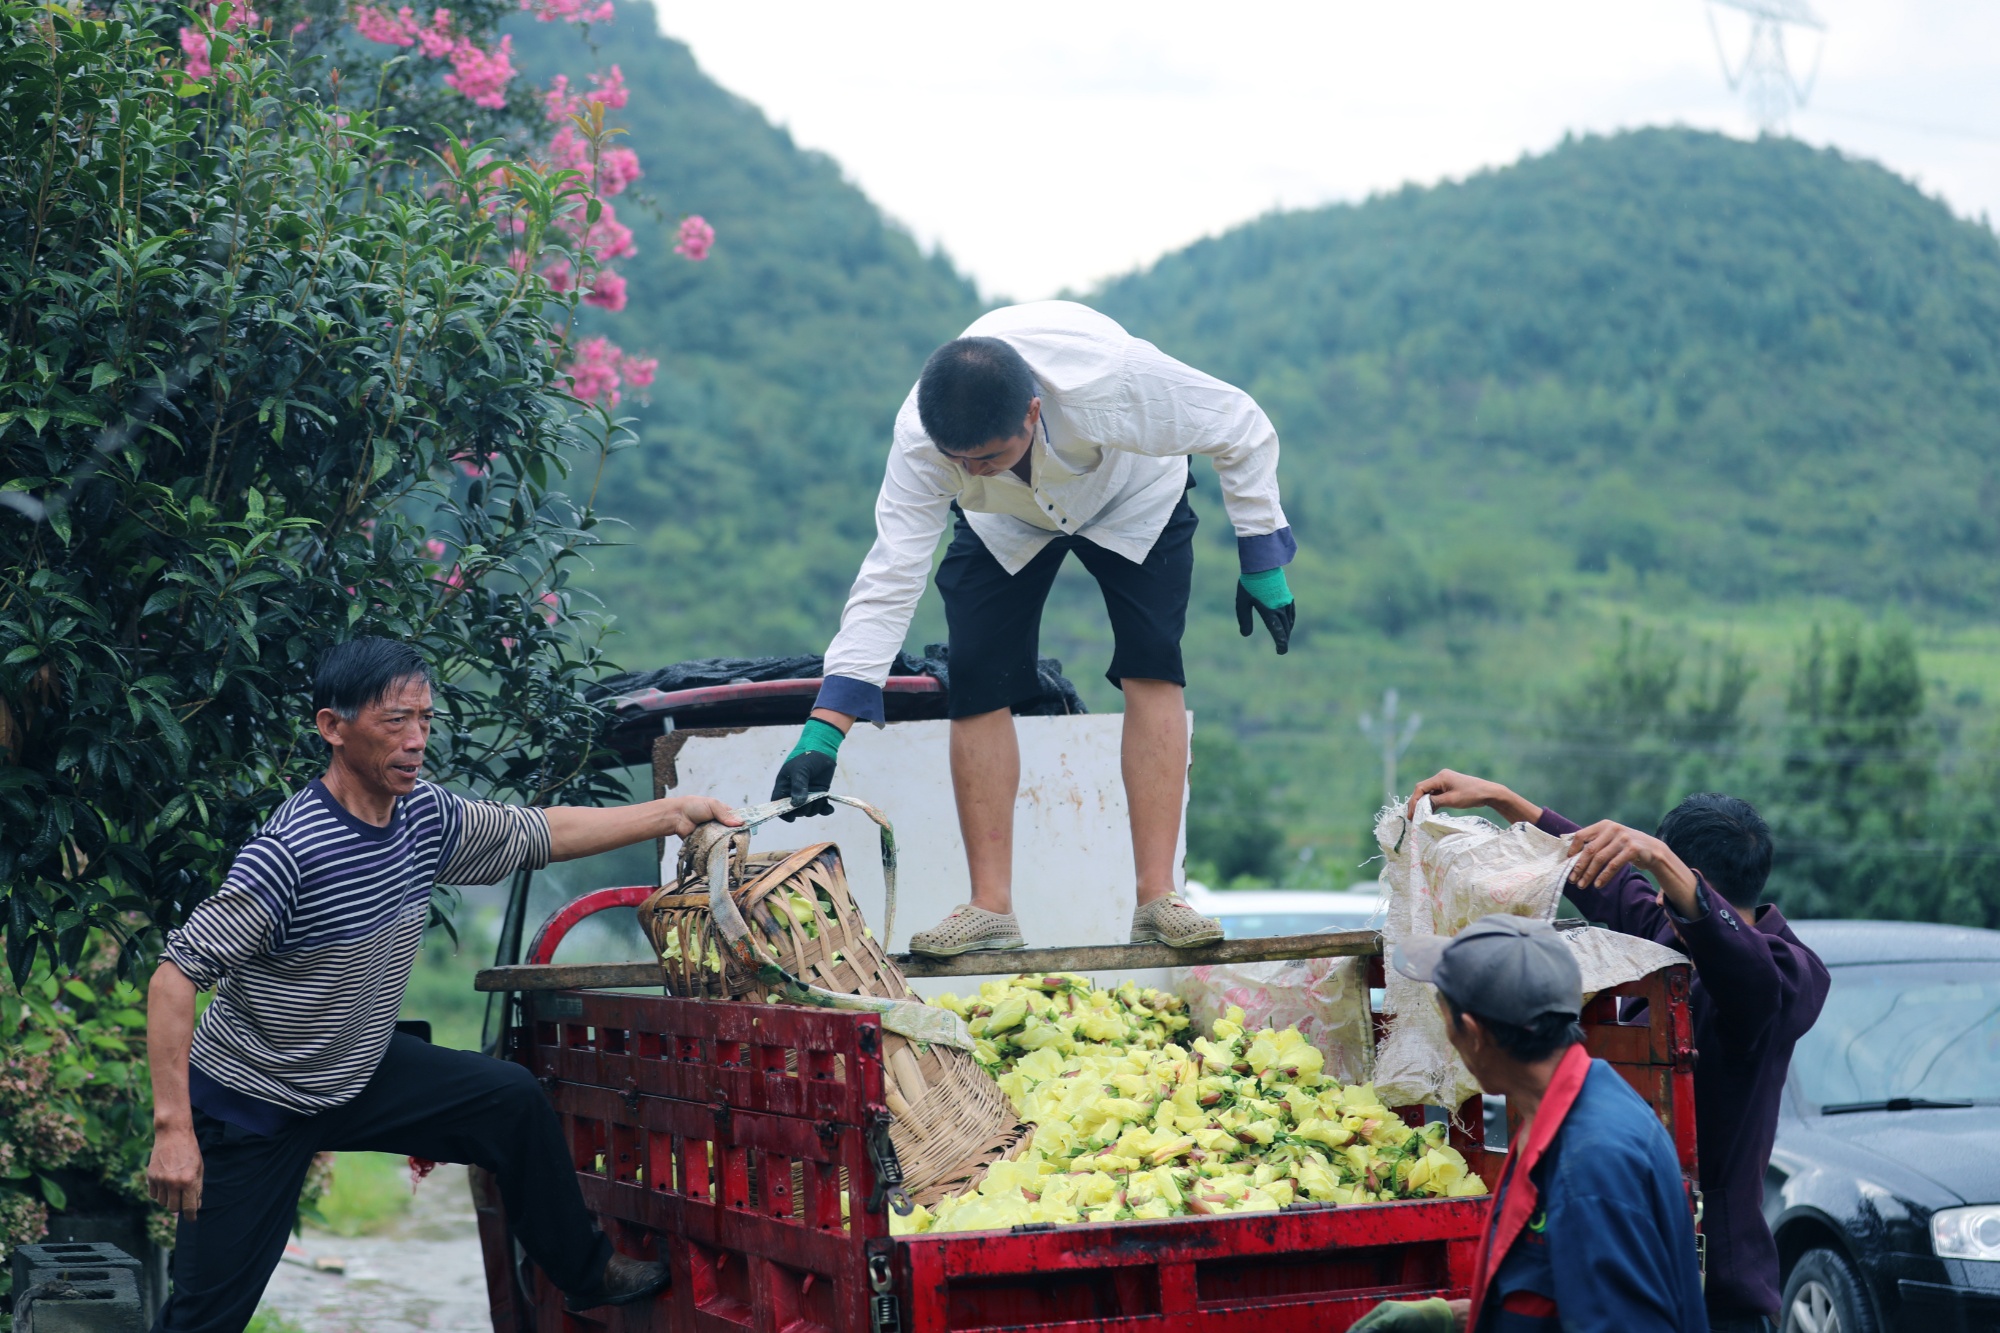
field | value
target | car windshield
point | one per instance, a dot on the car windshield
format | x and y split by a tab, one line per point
1928	1031
1256	925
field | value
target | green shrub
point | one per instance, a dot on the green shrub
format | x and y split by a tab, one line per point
260	391
76	1109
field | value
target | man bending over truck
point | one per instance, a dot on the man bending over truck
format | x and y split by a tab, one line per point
1757	990
308	945
1048	429
1590	1230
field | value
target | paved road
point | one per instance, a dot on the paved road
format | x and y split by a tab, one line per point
423	1273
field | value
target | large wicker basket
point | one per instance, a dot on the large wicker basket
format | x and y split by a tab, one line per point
951	1119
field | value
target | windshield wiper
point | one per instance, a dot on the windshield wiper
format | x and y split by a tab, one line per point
1893	1104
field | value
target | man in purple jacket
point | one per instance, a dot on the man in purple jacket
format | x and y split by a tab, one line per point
1757	990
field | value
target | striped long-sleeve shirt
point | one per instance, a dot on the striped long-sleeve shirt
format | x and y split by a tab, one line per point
309	942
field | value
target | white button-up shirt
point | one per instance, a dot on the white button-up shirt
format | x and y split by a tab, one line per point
1119	417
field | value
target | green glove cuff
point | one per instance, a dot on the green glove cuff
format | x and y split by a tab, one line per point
1430	1316
818	738
1268	586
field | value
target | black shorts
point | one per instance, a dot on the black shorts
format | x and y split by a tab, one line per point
995	617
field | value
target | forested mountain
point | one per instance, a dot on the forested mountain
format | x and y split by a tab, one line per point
1757	368
1726	389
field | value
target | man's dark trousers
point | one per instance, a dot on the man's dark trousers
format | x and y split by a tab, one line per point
424	1101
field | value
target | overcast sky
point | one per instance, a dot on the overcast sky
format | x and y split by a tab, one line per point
1049	145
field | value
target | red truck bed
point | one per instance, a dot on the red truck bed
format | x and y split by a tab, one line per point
744	1142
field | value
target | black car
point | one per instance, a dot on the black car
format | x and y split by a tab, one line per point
1884	1187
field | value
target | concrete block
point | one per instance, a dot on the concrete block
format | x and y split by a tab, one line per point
86	1287
61	1254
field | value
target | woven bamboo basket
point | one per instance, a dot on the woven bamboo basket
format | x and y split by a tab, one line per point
951	1119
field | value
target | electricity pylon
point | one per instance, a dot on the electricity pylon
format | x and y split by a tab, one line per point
1764	74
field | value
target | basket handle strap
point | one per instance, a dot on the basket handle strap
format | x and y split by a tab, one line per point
911	1018
728	919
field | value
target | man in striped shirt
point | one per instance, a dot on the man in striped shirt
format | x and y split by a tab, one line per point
308	946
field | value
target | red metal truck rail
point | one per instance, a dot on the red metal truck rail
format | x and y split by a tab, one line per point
731	1140
1306	1269
741	1143
744	1143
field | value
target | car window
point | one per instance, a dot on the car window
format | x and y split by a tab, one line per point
1905	1030
1255	925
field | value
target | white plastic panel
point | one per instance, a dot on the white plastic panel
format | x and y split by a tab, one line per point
1073	878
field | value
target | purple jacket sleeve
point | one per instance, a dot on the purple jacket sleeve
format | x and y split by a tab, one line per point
1740	966
1627	904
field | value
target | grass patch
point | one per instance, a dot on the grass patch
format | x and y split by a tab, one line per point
370	1191
440	989
267	1320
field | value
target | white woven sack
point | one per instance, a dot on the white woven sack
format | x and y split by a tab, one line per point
1326	999
1444	872
1609	959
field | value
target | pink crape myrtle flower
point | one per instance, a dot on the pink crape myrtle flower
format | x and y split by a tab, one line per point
696	237
551	604
559	276
594	371
194	45
480	75
436	41
638	370
616	169
570	151
607	238
608	88
558	102
375	25
434	548
599	368
517	260
607	290
570	11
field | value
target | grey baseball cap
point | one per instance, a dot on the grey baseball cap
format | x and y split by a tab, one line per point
1511	968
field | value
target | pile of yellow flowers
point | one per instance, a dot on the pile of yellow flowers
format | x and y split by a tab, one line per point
1130	1123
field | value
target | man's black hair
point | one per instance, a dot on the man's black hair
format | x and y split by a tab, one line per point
362	671
974	391
1537	1041
1726	840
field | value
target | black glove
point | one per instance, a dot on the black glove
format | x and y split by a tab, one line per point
1279	622
803	774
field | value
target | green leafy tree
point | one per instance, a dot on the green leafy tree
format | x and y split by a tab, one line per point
1854	823
1232	835
255	397
1641	731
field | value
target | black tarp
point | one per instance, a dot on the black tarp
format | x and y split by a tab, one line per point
631	731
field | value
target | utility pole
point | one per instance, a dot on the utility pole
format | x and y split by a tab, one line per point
1395	741
1764	74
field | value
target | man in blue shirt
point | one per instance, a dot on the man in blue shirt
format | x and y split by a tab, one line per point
1590	1230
